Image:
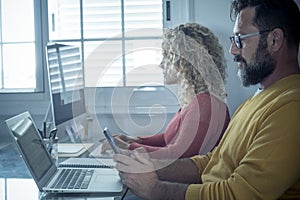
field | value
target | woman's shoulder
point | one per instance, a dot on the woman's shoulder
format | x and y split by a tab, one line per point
207	96
205	100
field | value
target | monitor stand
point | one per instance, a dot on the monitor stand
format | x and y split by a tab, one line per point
73	130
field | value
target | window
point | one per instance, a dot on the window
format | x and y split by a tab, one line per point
18	44
120	40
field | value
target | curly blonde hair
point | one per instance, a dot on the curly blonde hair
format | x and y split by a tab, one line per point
195	53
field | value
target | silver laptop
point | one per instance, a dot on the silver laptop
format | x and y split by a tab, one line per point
50	178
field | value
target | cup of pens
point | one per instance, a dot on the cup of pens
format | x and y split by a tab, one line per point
51	144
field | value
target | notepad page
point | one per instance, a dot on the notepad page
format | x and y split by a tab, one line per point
88	163
69	148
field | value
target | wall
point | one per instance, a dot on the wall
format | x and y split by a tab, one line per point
215	15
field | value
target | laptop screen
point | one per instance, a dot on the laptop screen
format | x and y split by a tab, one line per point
32	147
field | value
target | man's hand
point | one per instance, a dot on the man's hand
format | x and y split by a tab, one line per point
137	172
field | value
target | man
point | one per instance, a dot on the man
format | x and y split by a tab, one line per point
258	157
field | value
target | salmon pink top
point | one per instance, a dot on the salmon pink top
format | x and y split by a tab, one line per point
194	130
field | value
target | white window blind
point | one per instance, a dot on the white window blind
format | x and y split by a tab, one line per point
65	68
120	39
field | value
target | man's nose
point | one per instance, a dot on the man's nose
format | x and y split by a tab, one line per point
233	49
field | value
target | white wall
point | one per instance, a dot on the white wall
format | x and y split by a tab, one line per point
215	15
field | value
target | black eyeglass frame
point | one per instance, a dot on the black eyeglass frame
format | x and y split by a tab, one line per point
237	38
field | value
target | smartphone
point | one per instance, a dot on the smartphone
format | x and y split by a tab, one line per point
111	140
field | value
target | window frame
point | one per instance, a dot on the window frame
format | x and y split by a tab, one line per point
39	26
35	101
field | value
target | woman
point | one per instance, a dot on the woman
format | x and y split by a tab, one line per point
194	60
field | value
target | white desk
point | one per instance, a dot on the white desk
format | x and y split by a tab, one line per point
18	188
22	188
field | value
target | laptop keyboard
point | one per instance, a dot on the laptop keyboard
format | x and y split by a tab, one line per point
73	179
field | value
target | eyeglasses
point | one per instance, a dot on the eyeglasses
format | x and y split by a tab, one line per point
237	39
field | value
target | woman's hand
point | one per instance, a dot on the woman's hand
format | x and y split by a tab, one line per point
123	142
129	139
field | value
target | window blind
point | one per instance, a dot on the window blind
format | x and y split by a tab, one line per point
65	68
120	39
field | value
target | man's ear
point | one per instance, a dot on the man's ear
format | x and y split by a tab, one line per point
275	39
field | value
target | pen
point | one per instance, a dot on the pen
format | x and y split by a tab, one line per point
124	194
44	130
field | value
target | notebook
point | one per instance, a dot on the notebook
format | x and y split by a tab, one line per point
70	148
47	176
88	163
73	149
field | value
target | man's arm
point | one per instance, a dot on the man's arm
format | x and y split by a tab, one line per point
169	170
139	174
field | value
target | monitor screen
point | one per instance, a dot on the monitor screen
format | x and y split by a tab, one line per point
67	111
66	82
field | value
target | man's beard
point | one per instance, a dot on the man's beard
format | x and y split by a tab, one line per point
262	65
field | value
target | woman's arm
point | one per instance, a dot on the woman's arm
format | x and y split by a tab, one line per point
150	143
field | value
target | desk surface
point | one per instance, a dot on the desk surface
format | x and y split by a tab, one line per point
25	188
16	182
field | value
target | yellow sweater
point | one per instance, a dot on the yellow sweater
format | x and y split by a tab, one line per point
258	157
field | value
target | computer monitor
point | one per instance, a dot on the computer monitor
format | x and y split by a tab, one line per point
66	85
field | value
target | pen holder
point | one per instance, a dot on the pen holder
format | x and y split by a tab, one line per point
51	145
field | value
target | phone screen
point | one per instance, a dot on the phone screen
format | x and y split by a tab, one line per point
111	140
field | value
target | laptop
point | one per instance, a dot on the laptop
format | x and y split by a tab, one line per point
47	176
